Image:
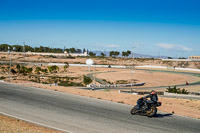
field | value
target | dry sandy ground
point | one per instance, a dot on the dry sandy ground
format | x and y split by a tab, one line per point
108	61
151	79
12	125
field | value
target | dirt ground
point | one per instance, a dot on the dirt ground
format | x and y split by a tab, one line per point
12	125
98	60
150	78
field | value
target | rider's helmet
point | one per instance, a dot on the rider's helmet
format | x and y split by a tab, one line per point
153	92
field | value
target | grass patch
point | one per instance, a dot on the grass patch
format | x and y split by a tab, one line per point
2	78
121	102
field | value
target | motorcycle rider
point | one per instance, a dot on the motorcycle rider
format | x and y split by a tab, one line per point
153	98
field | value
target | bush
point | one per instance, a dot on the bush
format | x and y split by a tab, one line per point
107	81
24	70
18	67
176	90
13	71
121	82
52	56
2	77
87	80
53	68
29	70
69	83
37	70
66	66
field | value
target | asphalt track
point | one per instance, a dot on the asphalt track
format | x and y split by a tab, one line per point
79	114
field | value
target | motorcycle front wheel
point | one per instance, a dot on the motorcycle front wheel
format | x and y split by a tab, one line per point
134	110
151	111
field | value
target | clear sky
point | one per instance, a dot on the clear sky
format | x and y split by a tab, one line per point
164	27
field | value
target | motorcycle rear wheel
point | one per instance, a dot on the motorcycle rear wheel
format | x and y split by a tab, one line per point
151	111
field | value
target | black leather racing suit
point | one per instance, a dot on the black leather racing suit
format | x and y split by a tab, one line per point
153	97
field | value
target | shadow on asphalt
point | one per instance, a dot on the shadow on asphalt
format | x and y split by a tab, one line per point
163	115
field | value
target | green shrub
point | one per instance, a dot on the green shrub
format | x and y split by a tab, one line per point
37	70
66	66
107	81
87	80
29	70
18	67
68	83
176	90
52	56
24	70
44	70
13	71
122	82
2	77
53	68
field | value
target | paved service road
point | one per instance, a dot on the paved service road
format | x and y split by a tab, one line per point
80	114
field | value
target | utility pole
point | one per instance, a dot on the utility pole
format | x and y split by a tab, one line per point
9	52
133	64
24	48
95	74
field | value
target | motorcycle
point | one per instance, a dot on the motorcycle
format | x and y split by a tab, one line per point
148	108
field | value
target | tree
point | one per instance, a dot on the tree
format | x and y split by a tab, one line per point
181	58
126	53
79	51
114	53
18	48
4	47
92	54
102	54
111	53
28	48
84	50
129	52
72	50
67	50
